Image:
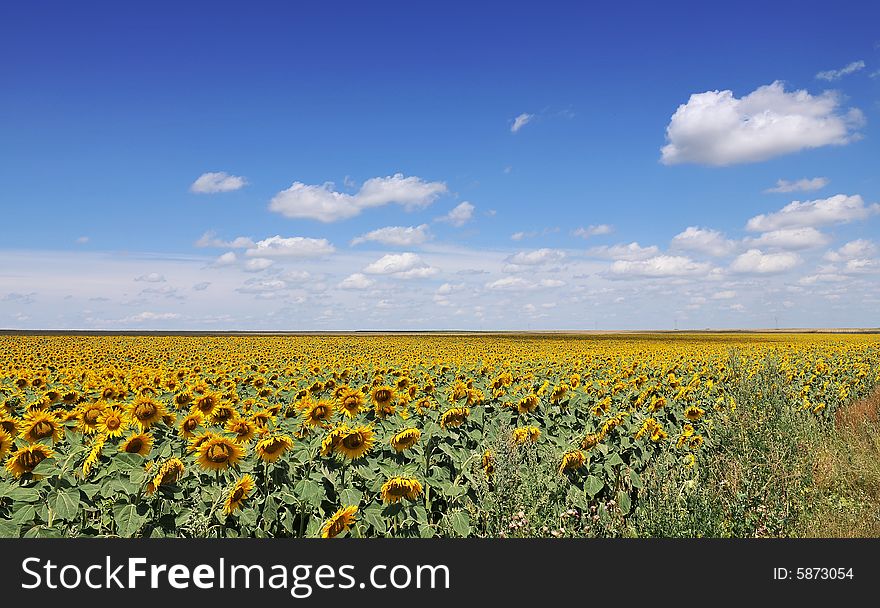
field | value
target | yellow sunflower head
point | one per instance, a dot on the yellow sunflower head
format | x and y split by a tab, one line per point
169	472
454	416
146	411
88	416
223	414
5	444
24	460
488	463
140	443
571	461
112	422
405	439
350	402
693	412
273	446
243	428
383	395
527	404
339	522
217	453
318	413
398	488
355	442
205	403
189	424
38	425
238	494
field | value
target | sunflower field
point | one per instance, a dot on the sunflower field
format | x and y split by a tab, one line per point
407	435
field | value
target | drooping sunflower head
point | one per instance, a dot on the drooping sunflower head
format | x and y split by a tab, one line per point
398	488
350	402
5	443
169	472
405	439
10	425
527	404
590	441
24	460
572	461
88	416
243	428
355	442
273	446
339	522
238	494
693	412
559	393
219	453
139	443
318	413
38	425
332	439
454	416
526	434
262	418
146	411
222	414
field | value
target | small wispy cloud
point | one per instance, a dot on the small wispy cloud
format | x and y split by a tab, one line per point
801	185
830	75
217	181
520	121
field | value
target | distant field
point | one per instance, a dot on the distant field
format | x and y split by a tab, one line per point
414	434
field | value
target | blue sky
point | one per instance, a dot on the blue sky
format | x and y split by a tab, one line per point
480	138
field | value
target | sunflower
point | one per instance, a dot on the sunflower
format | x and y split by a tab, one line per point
454	416
222	414
217	453
339	522
318	413
183	399
383	397
244	429
94	454
197	440
239	493
398	488
112	422
24	460
146	412
87	417
139	443
356	442
350	402
262	418
558	393
525	434
591	441
169	472
329	443
206	403
488	462
189	424
10	425
527	404
571	461
405	439
272	447
5	443
37	425
693	412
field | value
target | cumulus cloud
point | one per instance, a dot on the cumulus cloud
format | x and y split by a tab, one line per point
593	230
537	257
858	249
356	281
291	247
632	251
460	215
838	209
219	181
800	185
660	266
790	238
755	261
703	240
227	259
209	239
325	204
716	128
400	236
257	264
727	294
401	266
153	277
851	68
520	121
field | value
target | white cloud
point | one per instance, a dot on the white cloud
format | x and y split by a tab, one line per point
220	181
518	236
830	75
209	239
754	261
324	204
401	266
593	230
716	128
632	251
862	265
728	294
291	247
537	257
520	121
460	215
150	316
448	288
153	277
800	185
520	284
703	240
790	238
400	236
257	264
227	259
660	266
861	248
838	209
356	281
